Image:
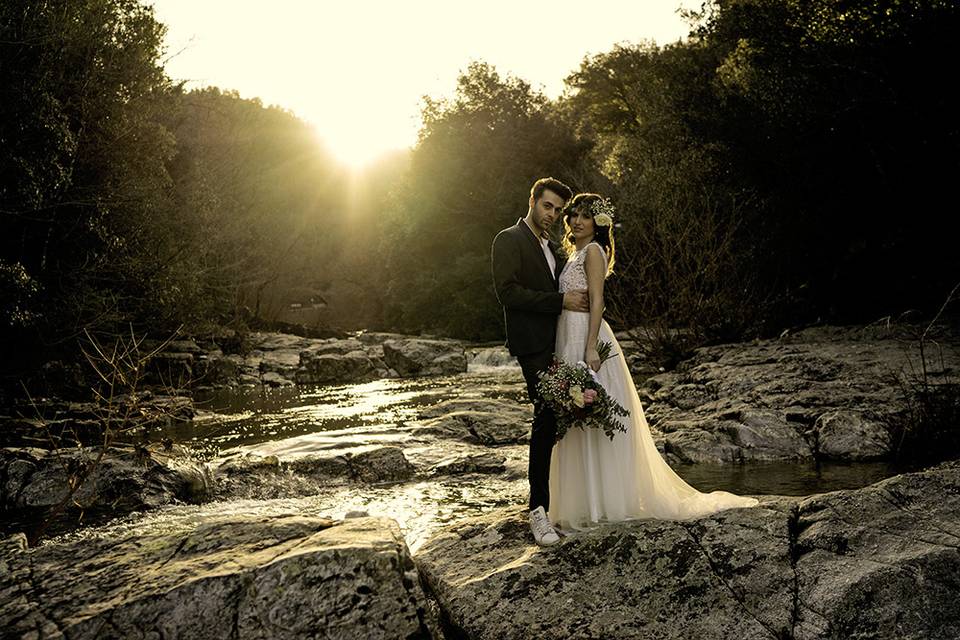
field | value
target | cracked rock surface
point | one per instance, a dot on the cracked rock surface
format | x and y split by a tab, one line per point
217	576
877	562
825	392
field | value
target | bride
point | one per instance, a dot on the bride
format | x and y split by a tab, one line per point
594	479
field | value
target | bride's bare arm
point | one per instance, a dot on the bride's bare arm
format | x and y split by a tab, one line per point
596	268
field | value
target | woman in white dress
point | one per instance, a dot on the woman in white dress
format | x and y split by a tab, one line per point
594	479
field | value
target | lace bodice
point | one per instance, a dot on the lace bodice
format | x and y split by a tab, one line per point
574	274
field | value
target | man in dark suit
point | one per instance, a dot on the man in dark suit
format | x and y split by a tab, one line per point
526	265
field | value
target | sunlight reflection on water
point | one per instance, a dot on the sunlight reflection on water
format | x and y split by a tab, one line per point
294	421
234	417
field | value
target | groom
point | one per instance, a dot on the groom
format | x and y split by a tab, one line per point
526	265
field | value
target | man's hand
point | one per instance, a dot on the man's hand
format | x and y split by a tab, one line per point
576	300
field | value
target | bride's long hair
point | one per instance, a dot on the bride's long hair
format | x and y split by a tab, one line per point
582	203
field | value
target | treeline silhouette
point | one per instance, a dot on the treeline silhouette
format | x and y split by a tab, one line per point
788	163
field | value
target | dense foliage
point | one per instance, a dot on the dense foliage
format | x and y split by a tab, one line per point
789	162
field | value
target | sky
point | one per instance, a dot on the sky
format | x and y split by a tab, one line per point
358	69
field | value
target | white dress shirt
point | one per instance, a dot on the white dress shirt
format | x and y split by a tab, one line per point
545	245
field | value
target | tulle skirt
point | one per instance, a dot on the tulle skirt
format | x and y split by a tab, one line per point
594	479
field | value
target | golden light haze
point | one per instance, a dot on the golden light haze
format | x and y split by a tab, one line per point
357	70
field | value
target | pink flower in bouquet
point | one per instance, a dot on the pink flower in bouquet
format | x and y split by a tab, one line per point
589	396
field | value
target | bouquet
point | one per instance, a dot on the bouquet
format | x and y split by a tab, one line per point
579	400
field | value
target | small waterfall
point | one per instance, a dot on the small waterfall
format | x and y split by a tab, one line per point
487	358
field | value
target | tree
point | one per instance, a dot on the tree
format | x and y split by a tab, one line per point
470	176
82	171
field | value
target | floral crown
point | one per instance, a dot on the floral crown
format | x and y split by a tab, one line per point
602	211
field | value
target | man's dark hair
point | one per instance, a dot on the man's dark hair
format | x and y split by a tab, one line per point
552	184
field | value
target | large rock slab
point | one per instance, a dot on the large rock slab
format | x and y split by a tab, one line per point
379	464
736	436
217	576
878	562
336	368
831	393
723	577
882	561
279	359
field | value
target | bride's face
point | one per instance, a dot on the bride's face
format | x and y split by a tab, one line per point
581	224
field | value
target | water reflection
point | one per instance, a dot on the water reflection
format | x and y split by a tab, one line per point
235	417
293	421
786	478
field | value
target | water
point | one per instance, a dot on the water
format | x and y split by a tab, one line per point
295	421
287	419
228	418
786	478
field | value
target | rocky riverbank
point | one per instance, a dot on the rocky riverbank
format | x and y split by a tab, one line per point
878	562
824	393
245	544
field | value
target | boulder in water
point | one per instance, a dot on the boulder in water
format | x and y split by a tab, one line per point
422	357
119	482
470	463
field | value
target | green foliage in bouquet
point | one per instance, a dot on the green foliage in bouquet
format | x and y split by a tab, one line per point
579	400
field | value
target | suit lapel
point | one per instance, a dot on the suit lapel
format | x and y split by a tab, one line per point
539	248
561	261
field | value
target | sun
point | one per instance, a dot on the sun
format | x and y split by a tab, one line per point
355	153
359	139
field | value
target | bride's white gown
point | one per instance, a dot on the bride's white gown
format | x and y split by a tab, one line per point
594	479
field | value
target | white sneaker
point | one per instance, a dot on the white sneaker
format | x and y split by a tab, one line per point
542	530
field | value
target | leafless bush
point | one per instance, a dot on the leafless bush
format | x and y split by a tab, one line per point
685	275
930	429
119	364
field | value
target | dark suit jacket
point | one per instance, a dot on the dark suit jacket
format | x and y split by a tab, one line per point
526	289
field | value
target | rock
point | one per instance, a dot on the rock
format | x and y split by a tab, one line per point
219	369
341	347
722	577
830	392
491	358
470	463
163	410
380	464
170	370
697	445
848	435
422	357
384	464
269	341
379	337
282	361
337	368
247	463
273	379
187	345
879	562
230	341
486	422
119	483
210	575
743	435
